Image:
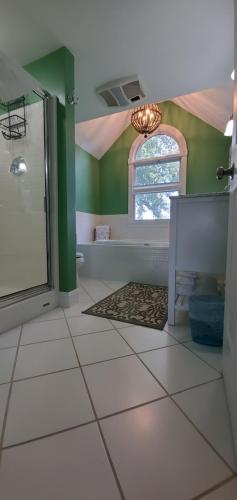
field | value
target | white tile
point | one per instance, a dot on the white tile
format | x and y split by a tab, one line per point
120	324
182	333
56	313
206	406
177	369
99	295
46	330
115	285
45	357
226	492
45	405
7	358
99	292
72	465
105	345
159	455
4	389
119	384
89	282
212	355
88	324
83	296
78	308
10	338
144	339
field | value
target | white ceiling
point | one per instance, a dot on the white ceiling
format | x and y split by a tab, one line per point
176	47
214	106
97	136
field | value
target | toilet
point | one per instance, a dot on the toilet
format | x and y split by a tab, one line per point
80	261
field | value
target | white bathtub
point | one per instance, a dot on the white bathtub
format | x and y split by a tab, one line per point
139	243
126	260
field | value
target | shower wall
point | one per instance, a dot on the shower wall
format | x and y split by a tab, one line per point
23	247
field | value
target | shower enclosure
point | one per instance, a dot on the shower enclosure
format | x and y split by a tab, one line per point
25	226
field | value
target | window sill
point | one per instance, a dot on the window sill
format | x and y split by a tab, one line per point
149	222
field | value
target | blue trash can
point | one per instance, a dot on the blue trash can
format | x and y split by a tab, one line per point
206	315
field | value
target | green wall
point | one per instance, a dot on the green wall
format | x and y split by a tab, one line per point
207	149
55	72
87	182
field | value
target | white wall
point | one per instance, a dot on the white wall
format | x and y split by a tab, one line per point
23	254
85	224
121	228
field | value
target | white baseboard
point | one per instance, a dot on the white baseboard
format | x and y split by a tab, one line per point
28	309
68	299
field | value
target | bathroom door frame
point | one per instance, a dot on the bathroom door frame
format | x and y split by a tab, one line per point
25	305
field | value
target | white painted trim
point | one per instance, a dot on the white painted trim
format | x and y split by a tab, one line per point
68	299
162	130
26	310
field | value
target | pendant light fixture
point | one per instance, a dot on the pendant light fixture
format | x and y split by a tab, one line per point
145	119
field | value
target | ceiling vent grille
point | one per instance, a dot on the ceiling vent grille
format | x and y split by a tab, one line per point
123	92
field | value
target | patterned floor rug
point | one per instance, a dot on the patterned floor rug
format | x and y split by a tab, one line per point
145	305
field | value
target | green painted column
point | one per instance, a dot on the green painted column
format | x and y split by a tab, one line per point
55	72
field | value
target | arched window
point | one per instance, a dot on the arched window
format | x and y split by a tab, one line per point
157	170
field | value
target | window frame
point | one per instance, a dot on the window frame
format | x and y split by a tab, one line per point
132	163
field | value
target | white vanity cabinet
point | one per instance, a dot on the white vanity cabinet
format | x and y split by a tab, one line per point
198	240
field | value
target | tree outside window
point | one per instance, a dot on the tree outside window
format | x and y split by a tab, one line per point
158	172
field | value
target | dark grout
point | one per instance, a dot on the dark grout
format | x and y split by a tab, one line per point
98	423
84	365
50	434
97	419
199	357
9	395
170	396
203	435
214	488
45	374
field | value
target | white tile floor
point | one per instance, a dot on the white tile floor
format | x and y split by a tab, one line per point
93	409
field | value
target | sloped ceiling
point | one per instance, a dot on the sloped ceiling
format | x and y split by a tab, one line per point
214	106
97	136
174	46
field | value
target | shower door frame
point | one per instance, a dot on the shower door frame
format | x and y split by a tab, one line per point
26	304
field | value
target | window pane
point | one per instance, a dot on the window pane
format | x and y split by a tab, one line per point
152	206
158	173
158	145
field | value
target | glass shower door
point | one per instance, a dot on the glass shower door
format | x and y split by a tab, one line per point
24	221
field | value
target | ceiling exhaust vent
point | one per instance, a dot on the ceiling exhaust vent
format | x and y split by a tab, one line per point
121	92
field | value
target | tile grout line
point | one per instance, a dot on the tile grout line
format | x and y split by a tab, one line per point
9	395
199	357
190	421
83	424
50	434
98	423
122	411
204	437
16	380
104	417
178	343
110	330
214	488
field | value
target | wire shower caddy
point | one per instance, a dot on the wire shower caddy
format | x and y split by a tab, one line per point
13	126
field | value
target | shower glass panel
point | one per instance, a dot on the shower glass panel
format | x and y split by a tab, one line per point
24	221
